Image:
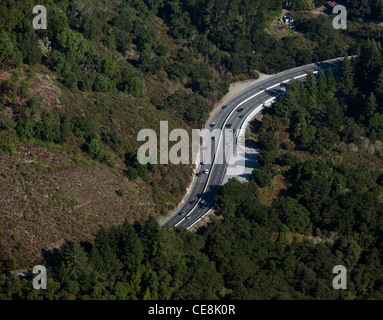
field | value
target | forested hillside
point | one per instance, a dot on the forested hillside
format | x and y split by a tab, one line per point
321	160
74	96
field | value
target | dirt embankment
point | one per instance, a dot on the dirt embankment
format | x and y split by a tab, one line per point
235	88
51	193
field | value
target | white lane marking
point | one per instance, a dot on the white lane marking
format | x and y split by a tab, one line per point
199	219
231	113
275	85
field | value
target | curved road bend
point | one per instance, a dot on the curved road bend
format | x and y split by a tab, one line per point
206	186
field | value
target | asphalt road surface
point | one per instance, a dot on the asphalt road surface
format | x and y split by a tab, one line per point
202	193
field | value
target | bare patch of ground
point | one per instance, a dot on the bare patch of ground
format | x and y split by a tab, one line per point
4	75
46	198
268	194
330	238
278	29
45	88
235	88
319	10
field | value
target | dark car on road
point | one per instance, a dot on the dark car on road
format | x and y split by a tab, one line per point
240	110
224	107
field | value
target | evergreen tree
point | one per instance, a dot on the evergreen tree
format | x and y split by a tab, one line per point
379	89
333	115
378	9
13	287
376	127
152	238
371	106
346	76
75	265
292	214
107	251
132	250
331	84
321	85
368	66
311	87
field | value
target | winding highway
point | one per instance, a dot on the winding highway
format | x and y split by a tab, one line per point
235	113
